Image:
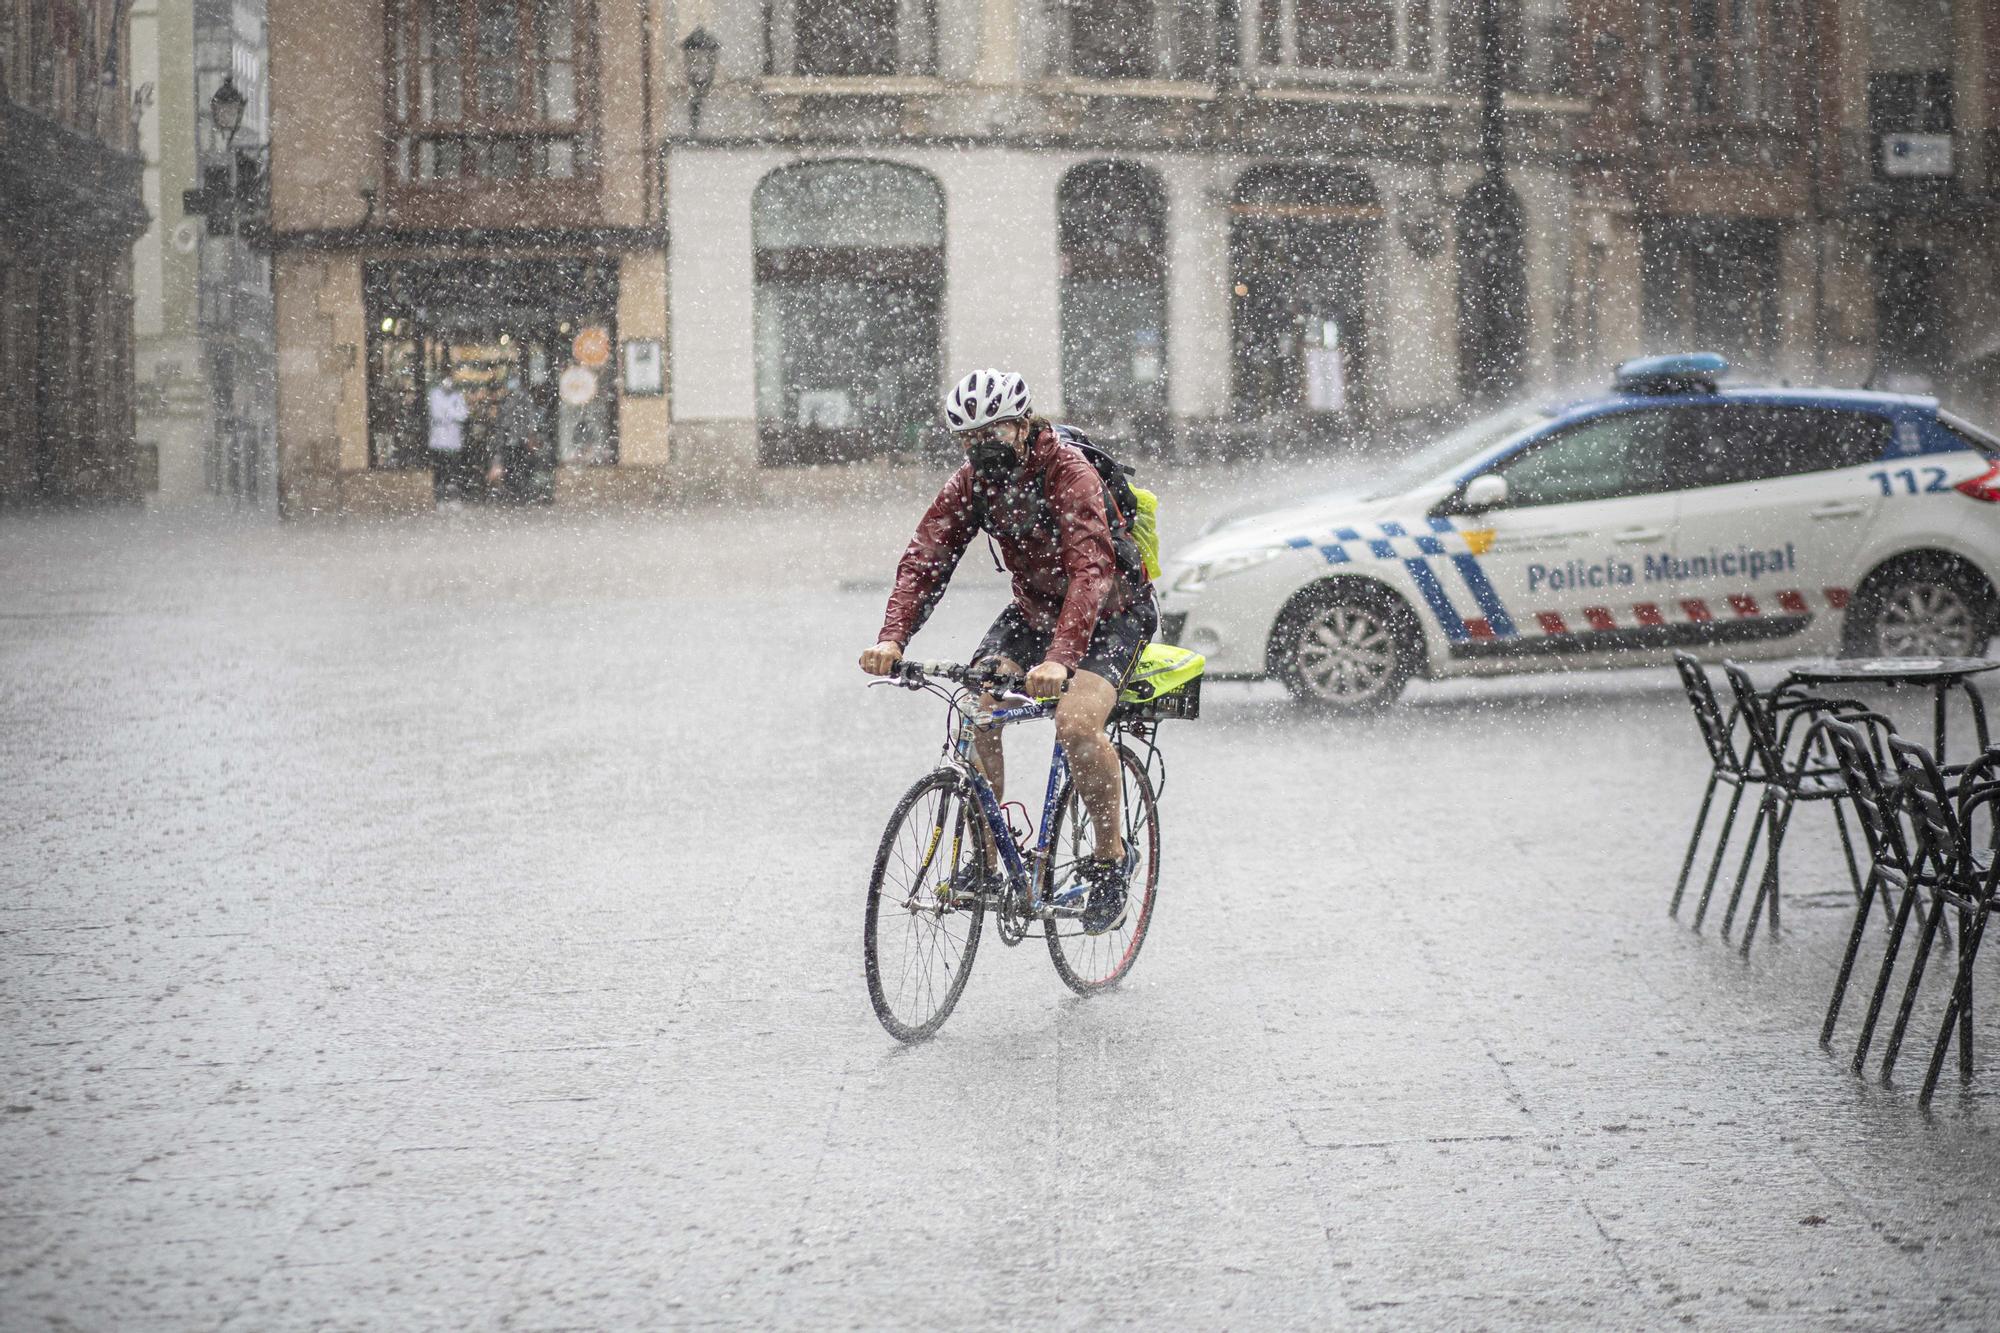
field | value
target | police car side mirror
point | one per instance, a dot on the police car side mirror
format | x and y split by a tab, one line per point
1484	492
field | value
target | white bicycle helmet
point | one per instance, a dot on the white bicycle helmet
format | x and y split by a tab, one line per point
985	396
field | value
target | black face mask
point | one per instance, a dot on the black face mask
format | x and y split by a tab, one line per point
993	461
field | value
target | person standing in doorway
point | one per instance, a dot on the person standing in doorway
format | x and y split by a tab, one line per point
517	443
448	411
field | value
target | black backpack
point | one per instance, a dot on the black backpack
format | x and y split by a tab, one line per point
1124	509
1115	475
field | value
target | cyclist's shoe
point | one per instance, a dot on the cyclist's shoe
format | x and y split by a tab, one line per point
1096	897
1111	894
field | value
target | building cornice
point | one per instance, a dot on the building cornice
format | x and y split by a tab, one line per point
372	239
801	85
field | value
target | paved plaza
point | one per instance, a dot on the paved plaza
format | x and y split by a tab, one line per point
456	924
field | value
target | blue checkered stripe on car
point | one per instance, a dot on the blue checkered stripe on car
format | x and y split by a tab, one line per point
1421	547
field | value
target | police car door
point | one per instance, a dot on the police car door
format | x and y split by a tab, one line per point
1775	502
1562	553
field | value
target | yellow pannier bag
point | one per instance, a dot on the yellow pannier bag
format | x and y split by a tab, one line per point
1162	669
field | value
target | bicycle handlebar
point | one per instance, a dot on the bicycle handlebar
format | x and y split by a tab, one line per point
975	676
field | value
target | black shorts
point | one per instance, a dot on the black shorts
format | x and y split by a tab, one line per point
1113	644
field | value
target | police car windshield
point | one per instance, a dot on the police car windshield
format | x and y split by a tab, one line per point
1465	443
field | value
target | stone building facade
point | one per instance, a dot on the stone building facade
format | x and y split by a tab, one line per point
70	208
1809	186
466	195
1188	226
1193	227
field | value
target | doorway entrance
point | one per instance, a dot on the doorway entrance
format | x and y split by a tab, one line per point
1712	284
1112	224
1301	244
850	294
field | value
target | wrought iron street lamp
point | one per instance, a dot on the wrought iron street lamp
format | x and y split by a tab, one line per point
699	53
234	466
225	109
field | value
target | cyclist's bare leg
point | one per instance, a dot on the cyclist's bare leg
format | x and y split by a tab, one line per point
1080	719
991	759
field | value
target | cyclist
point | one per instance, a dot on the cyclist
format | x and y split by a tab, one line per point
1082	607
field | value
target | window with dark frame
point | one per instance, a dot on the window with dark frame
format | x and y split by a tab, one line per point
1910	102
1111	39
850	38
1728	61
1132	39
492	91
1381	37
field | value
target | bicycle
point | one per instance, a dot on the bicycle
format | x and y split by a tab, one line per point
929	895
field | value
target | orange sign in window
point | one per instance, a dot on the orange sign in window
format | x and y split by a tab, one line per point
592	347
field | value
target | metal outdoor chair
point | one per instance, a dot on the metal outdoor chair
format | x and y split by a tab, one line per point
1791	775
1961	873
1892	868
1727	767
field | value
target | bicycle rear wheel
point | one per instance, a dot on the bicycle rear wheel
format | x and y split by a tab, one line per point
921	936
1091	963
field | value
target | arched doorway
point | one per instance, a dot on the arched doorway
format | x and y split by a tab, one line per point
1112	221
850	283
1301	243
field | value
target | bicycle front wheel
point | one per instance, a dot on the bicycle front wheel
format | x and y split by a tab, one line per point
922	929
1090	963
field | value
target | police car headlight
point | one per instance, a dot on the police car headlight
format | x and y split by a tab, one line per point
1193	578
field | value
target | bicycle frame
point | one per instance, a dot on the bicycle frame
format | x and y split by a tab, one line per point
1020	871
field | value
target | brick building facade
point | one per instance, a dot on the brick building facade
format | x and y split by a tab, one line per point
70	209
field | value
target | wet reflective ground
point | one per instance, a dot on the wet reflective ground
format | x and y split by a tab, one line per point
458	924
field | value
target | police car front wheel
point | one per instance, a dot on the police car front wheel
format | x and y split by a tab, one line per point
1343	652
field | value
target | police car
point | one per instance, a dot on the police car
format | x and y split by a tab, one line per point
1674	513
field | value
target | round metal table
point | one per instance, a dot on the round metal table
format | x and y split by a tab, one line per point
1940	675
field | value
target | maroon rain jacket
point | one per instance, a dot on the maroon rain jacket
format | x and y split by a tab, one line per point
1050	525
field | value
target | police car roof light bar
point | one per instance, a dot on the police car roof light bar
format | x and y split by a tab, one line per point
1679	372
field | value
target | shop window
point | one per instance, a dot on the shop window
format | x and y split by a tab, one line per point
1301	243
850	38
850	288
1383	38
543	329
490	90
1112	219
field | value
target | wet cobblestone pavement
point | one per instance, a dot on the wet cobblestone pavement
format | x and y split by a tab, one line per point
457	924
